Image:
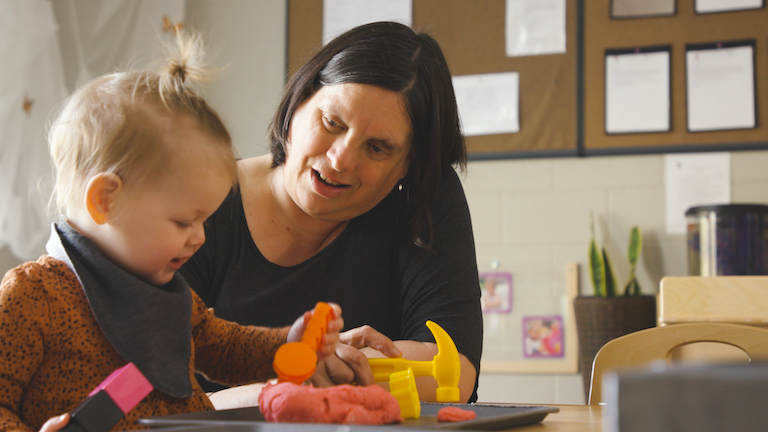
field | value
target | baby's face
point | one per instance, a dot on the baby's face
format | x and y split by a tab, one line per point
159	226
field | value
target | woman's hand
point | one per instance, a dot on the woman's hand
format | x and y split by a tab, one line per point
55	423
331	336
350	365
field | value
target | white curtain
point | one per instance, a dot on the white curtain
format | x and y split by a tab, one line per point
31	85
99	36
46	50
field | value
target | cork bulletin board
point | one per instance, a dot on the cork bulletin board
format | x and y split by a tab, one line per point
471	34
562	96
686	27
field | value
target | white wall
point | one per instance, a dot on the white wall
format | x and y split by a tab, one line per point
248	39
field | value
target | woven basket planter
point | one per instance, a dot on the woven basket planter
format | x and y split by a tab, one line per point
600	320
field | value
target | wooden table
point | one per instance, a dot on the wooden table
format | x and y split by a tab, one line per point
571	418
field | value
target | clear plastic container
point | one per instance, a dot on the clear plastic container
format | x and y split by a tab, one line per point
727	240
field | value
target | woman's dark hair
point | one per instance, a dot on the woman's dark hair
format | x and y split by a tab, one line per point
394	57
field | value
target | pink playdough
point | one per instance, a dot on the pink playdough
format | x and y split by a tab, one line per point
455	414
288	402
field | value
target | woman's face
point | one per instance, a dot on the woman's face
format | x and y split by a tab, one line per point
348	146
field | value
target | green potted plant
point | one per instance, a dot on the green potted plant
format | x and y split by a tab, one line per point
613	310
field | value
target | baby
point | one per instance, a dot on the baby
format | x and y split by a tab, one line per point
141	162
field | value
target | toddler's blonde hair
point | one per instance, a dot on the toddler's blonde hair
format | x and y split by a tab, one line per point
113	124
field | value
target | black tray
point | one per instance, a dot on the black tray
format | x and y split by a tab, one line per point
489	418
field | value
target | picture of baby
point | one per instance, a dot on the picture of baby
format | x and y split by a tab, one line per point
543	336
496	291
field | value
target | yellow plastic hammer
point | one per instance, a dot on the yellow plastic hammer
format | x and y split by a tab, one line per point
444	367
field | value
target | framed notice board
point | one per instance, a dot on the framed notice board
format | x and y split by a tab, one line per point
471	34
562	108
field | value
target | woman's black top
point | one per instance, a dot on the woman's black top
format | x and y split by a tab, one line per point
372	270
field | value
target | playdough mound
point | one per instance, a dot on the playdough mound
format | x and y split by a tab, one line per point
288	402
455	414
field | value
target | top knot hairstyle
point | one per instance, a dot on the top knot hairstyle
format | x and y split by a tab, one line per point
115	123
392	56
184	67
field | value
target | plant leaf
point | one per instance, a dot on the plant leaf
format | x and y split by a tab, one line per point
596	270
632	289
596	266
634	251
610	276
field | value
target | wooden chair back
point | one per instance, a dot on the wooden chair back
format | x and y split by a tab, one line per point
642	348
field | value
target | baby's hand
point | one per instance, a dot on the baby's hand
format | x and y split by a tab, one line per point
331	337
55	423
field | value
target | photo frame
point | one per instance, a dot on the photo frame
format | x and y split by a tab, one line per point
496	290
505	337
543	336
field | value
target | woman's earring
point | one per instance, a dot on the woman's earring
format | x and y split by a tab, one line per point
400	186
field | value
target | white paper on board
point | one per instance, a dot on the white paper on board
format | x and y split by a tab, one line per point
708	6
342	15
535	27
693	180
721	88
637	96
488	103
640	8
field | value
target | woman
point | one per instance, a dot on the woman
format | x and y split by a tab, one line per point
357	204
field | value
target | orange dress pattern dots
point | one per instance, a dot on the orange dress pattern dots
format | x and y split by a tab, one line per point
53	353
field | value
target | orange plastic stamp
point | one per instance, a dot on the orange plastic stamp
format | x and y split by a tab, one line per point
296	361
